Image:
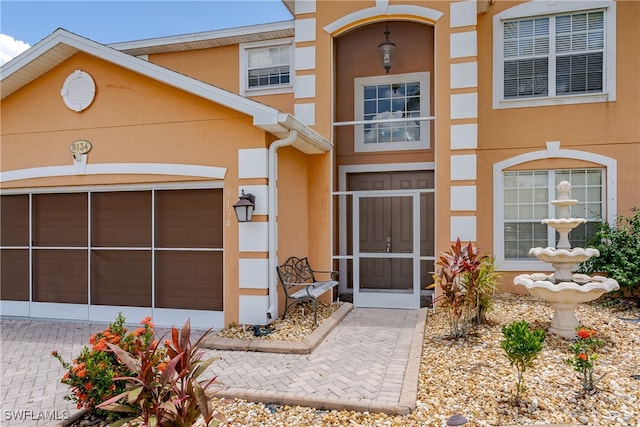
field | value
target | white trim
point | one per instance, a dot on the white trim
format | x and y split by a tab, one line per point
464	136
359	83
463	13
540	7
381	8
464	105
305	30
115	169
305	6
464	75
253	236
51	310
553	151
464	44
252	163
463	197
14	308
306	112
463	167
106	313
245	90
252	309
199	319
253	273
305	58
117	187
305	86
463	227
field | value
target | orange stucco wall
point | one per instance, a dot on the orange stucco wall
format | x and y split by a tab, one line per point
133	119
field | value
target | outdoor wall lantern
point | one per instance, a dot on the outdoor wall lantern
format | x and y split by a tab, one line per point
386	49
244	207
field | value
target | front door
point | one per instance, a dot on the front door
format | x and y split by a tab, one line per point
391	237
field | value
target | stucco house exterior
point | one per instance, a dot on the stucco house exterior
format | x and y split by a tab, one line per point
120	164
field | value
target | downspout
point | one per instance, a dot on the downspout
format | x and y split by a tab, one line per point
272	311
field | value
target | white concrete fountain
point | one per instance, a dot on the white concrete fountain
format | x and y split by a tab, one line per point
563	289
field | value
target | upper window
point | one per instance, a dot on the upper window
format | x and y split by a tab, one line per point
266	68
392	112
568	57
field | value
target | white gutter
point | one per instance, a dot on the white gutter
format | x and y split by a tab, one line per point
272	311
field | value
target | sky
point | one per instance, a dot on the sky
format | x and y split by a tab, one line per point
24	23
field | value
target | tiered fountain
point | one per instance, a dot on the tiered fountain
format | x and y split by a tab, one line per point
563	289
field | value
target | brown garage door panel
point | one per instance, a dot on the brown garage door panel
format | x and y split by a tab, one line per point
121	219
14	278
189	218
14	220
60	276
121	278
60	219
189	280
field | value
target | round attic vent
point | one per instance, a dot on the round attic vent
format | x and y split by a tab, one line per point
78	91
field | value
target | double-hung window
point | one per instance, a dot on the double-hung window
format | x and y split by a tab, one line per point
527	196
392	112
565	57
266	68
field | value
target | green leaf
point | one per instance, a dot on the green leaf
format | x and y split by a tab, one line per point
133	395
125	358
118	407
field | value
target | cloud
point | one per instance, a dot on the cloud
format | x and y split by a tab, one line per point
10	48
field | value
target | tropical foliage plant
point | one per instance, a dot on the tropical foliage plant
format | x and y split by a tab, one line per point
468	282
522	345
165	389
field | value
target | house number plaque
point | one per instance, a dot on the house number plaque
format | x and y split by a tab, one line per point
80	146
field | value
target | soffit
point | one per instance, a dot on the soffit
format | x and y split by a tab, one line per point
208	39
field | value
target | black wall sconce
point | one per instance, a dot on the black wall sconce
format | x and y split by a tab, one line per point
386	49
244	207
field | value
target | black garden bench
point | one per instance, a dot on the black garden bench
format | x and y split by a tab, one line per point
300	284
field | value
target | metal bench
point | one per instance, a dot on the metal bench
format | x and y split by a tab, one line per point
300	284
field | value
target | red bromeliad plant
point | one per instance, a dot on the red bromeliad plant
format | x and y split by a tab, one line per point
165	393
91	376
468	281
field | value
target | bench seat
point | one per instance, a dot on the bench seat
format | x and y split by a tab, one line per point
299	283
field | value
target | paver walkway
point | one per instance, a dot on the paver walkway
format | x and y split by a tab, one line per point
366	363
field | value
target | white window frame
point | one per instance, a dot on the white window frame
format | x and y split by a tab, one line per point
425	99
553	150
538	8
265	90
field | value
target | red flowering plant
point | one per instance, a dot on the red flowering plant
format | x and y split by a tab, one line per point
91	375
584	356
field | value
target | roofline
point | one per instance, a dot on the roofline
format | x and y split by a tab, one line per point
267	118
234	36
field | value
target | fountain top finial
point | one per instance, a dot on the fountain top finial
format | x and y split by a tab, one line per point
564	189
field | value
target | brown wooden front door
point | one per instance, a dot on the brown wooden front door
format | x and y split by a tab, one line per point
389	254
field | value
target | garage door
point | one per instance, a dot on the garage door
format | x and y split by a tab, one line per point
92	254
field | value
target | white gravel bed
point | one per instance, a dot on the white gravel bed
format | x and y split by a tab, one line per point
472	377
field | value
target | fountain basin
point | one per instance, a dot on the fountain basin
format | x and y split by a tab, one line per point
572	256
564	296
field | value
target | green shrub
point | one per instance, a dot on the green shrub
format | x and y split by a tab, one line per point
522	346
91	375
619	248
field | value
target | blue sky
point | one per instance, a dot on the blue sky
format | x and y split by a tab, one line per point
24	22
